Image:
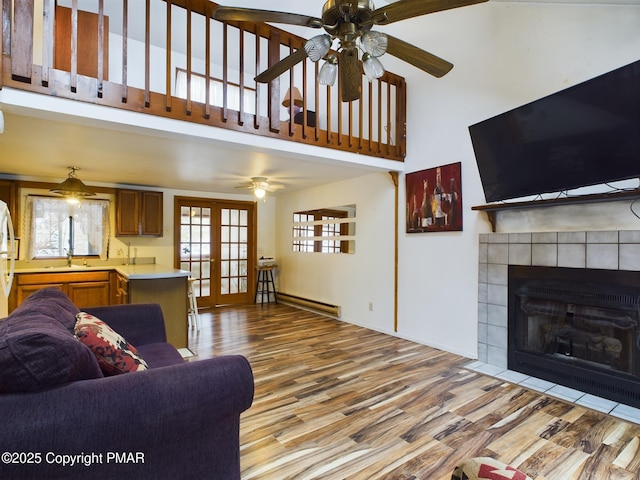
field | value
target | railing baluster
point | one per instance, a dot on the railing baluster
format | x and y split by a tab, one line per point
328	114
48	9
370	116
360	117
340	109
379	116
256	117
291	87
388	118
168	105
21	38
304	99
317	107
100	47
225	79
241	78
74	46
147	54
207	61
125	33
189	59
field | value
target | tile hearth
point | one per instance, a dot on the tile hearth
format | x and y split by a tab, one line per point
618	410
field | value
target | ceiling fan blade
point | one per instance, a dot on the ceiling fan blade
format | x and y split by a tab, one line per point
414	8
282	66
238	14
417	57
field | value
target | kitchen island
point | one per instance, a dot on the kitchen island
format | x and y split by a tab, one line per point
97	284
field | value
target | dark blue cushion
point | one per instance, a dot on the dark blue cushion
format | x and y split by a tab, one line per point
37	351
160	354
53	303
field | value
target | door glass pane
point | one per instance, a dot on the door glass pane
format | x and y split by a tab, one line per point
185	233
234	247
195	234
205	288
206	216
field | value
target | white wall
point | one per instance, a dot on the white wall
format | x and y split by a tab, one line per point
351	281
524	51
505	55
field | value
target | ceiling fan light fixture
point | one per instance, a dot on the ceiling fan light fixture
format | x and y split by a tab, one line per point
373	67
259	192
374	43
317	47
72	188
329	71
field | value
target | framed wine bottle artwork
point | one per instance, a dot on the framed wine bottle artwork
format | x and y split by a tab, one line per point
434	199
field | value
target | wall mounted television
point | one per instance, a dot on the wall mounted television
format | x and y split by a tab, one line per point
584	135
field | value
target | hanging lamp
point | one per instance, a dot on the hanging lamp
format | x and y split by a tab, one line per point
72	188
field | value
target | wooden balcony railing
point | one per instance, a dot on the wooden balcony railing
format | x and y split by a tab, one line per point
155	56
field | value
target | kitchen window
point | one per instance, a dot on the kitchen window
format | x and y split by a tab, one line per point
57	227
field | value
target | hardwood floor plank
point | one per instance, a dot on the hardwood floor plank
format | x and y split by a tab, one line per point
336	401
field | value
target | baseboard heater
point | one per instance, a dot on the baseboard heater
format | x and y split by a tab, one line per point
333	310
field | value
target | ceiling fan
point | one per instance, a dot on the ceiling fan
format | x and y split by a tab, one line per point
350	22
260	186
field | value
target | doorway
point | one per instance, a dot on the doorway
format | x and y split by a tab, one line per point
216	241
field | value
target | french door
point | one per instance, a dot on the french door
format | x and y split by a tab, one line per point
216	241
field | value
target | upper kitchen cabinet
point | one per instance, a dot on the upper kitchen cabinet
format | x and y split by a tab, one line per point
138	213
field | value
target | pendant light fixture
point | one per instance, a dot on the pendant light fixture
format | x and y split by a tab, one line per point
72	188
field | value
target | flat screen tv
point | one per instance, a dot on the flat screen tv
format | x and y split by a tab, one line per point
584	135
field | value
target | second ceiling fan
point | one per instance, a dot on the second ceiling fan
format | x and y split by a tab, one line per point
350	22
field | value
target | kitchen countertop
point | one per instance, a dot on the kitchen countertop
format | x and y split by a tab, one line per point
131	272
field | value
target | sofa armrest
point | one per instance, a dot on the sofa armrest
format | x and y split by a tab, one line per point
181	420
139	324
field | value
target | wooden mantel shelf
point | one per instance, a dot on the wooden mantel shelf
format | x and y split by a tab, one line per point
493	208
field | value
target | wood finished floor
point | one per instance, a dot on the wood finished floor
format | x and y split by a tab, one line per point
337	401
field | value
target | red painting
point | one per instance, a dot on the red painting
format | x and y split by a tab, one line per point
434	199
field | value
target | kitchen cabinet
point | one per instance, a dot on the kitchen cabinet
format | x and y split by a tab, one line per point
119	289
85	289
138	213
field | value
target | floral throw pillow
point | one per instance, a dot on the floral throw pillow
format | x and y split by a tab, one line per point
115	355
486	468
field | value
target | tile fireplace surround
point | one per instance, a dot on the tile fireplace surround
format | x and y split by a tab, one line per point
611	250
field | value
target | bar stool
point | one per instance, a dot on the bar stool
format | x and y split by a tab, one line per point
265	284
193	305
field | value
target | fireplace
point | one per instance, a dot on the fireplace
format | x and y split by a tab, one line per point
576	327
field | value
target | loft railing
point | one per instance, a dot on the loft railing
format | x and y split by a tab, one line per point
155	56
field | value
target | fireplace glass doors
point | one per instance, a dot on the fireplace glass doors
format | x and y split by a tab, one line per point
577	327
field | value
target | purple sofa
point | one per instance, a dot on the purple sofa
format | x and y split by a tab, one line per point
61	418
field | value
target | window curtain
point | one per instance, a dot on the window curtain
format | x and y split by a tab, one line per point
47	217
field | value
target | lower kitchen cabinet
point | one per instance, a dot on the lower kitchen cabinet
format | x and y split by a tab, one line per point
85	289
